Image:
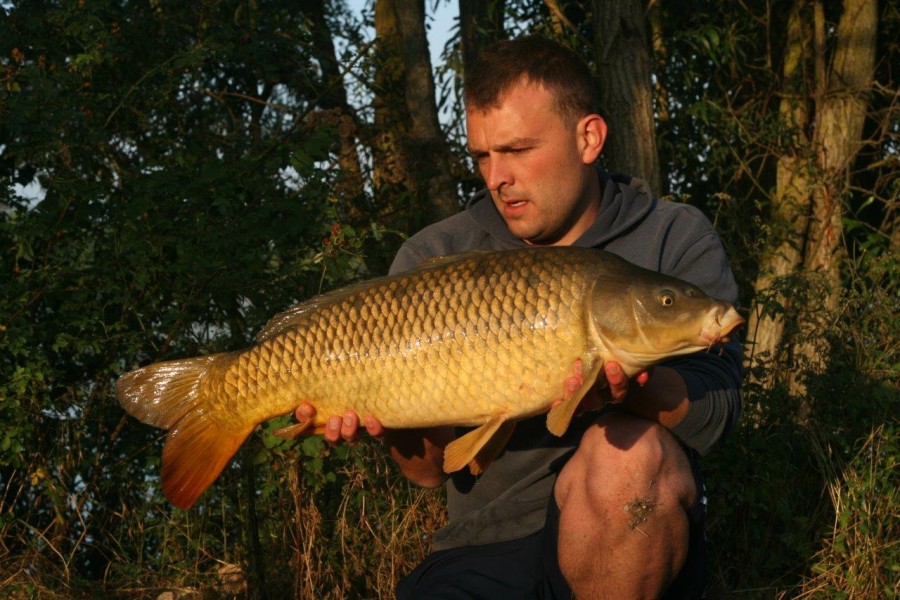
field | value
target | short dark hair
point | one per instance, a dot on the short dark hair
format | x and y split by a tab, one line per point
561	70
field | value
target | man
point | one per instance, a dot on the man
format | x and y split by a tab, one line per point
613	509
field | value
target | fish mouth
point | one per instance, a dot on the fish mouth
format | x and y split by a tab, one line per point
721	323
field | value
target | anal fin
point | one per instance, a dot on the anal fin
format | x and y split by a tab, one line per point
492	448
196	450
479	447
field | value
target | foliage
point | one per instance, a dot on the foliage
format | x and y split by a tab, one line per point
862	553
179	201
173	178
803	475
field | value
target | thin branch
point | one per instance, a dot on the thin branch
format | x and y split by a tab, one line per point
558	14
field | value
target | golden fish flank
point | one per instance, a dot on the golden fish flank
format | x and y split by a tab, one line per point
480	339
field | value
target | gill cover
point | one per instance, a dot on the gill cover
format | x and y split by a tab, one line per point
642	315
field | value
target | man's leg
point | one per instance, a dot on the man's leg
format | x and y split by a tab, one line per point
623	500
512	569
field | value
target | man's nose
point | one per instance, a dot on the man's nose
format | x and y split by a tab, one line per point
497	173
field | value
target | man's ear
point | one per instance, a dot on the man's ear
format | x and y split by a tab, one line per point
591	137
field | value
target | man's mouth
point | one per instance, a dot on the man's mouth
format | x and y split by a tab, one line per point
514	202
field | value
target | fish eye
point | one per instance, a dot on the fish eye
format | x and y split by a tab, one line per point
667	297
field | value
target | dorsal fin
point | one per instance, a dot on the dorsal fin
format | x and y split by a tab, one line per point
294	315
284	320
448	259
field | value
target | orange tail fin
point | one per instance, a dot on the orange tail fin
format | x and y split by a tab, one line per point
170	395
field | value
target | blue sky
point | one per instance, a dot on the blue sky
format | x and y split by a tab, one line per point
442	19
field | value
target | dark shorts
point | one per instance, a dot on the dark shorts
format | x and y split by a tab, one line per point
528	567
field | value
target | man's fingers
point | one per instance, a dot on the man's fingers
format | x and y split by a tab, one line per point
618	382
350	427
304	412
374	427
613	389
342	429
332	432
642	378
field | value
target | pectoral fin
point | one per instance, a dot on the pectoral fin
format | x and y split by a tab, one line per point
561	415
479	447
289	432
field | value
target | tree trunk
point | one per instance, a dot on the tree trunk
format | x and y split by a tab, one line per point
333	100
805	228
790	205
412	144
841	112
623	64
841	105
660	55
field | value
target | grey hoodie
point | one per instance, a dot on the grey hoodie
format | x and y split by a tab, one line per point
509	501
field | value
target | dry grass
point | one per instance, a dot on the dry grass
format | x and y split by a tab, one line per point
357	538
382	528
861	557
353	541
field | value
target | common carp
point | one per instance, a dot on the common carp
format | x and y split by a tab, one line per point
479	339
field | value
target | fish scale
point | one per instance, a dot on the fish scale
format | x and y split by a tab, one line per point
481	340
366	367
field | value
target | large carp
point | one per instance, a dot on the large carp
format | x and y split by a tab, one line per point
478	339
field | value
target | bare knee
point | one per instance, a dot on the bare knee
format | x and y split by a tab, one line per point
628	485
624	456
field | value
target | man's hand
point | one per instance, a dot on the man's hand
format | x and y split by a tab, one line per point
342	429
613	391
618	381
419	452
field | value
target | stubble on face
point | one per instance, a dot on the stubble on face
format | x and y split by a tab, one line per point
533	165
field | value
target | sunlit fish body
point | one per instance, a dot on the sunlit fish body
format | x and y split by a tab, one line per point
479	339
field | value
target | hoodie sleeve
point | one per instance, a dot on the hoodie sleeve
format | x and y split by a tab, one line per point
713	382
713	379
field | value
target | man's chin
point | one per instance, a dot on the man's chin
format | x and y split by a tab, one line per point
529	233
539	240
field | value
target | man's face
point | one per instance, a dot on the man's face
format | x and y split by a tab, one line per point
537	166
